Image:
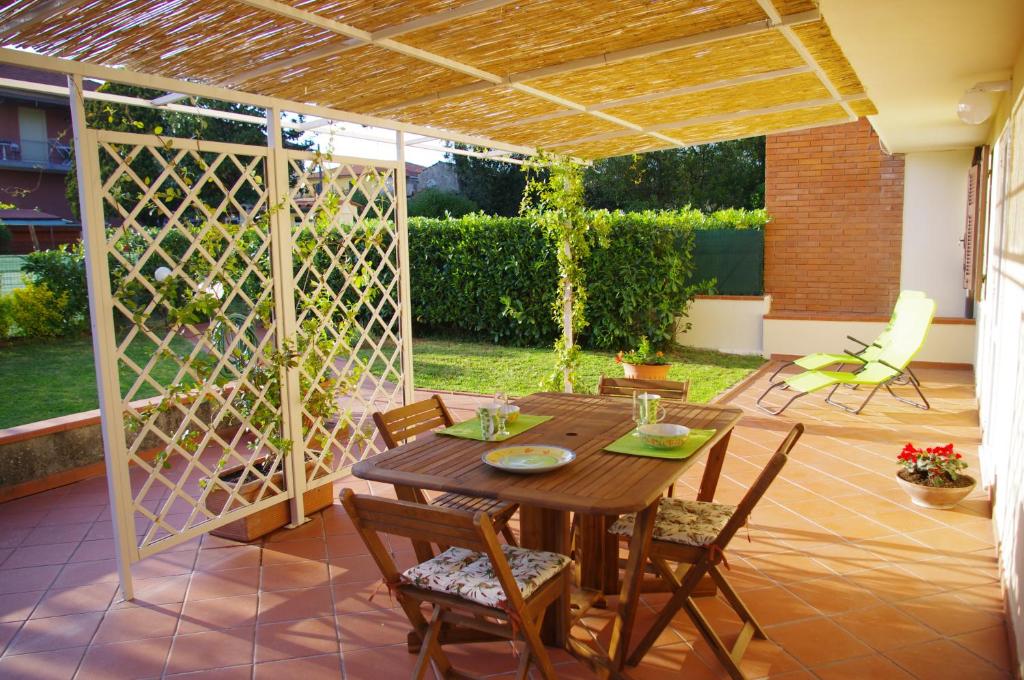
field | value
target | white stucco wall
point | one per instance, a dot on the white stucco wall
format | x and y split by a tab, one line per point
934	212
728	324
946	343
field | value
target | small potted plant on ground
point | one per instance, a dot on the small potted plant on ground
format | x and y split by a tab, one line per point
932	477
643	362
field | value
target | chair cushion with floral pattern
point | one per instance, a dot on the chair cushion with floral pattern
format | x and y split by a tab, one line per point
469	574
681	521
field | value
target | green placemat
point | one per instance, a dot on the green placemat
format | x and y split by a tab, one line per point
635	446
470	429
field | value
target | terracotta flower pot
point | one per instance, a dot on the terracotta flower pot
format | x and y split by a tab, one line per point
936	497
646	371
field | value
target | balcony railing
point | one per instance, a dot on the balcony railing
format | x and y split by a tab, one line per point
35	153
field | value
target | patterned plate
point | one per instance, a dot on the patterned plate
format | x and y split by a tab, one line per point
529	459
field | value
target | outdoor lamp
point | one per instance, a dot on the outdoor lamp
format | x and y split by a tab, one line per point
977	104
161	274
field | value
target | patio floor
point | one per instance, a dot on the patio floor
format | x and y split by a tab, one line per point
849	579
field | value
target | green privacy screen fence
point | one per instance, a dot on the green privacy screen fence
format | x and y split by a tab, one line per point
735	257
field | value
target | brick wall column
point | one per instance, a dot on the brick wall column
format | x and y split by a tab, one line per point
836	202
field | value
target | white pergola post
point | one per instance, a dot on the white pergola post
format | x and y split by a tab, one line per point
284	301
104	341
402	222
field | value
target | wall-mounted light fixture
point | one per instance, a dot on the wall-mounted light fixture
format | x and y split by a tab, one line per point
978	104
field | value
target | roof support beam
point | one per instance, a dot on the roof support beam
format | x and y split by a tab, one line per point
333	49
313	19
168	98
609	58
155	82
644	98
791	37
715	118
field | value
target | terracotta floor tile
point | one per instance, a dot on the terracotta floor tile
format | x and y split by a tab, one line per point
125	661
884	627
345	545
353	569
220	559
213	649
393	662
287	605
166	564
18	606
944	660
873	667
95	597
40	555
292	639
817	641
951	613
990	644
65	533
293	551
356	597
672	662
776	605
893	584
326	667
484	659
207	585
372	629
314	528
951	542
81	573
55	665
833	595
229	673
59	632
293	575
137	623
238	611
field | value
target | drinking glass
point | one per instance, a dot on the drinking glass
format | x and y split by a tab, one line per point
486	416
500	404
638	414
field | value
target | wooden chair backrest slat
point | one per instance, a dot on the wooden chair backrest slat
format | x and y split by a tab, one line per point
760	486
401	424
625	387
418	521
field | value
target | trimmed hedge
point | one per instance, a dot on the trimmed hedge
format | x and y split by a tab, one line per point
495	278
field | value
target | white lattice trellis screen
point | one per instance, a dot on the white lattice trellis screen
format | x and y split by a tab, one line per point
247	322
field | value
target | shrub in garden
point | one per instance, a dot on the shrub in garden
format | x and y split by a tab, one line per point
5	238
5	316
37	311
62	271
436	203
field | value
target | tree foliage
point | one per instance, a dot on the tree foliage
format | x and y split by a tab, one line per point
708	177
494	186
433	202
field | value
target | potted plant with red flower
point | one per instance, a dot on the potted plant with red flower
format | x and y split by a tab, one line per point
644	362
932	477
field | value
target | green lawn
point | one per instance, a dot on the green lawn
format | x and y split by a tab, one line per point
479	367
47	379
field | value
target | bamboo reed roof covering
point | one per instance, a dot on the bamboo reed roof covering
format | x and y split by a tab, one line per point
592	78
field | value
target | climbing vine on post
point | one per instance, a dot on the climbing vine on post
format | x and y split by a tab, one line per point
553	198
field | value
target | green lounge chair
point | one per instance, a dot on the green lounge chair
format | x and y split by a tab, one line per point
867	353
891	366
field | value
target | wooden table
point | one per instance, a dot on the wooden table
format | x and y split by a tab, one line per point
598	486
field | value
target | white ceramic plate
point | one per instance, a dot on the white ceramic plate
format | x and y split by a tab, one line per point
529	459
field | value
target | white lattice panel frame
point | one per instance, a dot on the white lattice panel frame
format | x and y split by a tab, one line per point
132	474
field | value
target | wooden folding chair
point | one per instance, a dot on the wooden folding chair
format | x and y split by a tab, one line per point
694	535
625	387
399	425
477	584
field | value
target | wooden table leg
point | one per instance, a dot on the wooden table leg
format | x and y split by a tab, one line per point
543	529
629	598
713	469
598	554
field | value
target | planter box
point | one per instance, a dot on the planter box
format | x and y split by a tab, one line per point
269	519
646	371
936	498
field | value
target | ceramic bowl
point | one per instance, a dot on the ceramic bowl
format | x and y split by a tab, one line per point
663	435
511	413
